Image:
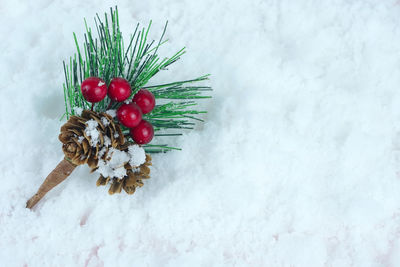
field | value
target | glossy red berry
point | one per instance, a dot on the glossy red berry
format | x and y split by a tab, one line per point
94	89
145	100
119	89
143	133
129	115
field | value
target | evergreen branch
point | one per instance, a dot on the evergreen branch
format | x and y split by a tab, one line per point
105	56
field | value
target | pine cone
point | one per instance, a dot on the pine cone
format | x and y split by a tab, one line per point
130	181
88	137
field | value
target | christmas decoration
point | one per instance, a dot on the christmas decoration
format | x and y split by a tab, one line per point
145	100
143	133
114	135
119	89
94	89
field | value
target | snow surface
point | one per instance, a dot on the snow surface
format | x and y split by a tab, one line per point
298	163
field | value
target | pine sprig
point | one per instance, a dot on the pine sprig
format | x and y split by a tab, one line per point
105	56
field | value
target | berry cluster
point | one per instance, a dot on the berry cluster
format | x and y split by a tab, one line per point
129	114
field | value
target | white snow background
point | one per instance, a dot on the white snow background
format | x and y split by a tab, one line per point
298	163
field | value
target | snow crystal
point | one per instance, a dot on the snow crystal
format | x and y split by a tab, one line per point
119	158
92	132
107	141
137	155
115	166
102	151
78	111
104	121
112	112
119	172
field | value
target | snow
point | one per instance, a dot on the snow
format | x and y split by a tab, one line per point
92	132
104	121
298	163
78	111
107	141
137	155
116	159
112	113
114	167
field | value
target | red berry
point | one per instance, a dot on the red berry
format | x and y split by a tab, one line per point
129	115
145	100
143	133
94	89
119	89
